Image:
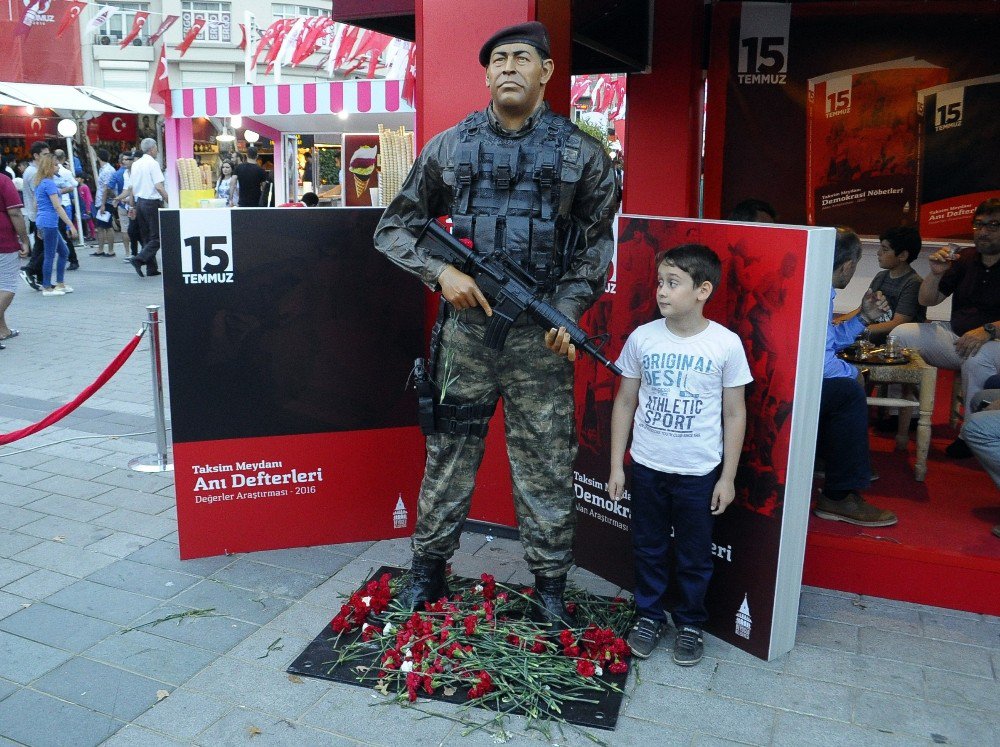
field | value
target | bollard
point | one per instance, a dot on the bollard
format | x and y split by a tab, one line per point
160	461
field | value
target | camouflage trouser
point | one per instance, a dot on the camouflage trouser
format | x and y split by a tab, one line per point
537	390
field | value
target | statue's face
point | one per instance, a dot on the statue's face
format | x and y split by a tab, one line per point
517	75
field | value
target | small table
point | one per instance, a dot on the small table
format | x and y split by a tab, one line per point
924	377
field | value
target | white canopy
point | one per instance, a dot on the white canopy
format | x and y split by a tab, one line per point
74	98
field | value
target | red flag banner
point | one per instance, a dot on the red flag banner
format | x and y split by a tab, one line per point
166	23
137	26
197	25
243	40
161	83
315	28
28	19
73	10
410	79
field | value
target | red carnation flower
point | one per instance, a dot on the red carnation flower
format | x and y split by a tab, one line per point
585	668
470	624
619	667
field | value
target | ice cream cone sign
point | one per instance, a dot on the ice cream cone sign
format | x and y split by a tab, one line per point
362	166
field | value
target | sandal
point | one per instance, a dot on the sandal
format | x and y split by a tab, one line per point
97	254
13	333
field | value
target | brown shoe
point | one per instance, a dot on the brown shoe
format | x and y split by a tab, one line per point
854	510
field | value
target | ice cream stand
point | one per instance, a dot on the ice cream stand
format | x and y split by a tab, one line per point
282	113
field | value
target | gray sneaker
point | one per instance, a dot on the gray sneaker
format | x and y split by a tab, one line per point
688	646
644	636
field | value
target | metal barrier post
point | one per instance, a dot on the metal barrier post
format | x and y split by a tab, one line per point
160	461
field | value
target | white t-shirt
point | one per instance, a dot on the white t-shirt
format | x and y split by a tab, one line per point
145	176
678	423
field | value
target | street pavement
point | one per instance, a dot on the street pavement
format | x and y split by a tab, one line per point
89	565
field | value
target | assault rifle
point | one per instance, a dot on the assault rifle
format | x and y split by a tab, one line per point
509	290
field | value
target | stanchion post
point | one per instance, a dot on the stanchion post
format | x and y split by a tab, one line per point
160	461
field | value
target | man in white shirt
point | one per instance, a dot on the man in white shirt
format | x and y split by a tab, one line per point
149	194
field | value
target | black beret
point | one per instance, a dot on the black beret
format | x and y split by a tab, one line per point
532	32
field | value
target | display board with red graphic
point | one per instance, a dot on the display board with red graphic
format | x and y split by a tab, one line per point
774	293
33	52
359	169
290	342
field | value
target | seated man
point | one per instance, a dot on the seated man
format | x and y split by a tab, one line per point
842	440
981	431
969	341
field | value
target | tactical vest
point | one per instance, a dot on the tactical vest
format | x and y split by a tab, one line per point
516	194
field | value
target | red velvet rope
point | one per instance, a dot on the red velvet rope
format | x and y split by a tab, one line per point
59	414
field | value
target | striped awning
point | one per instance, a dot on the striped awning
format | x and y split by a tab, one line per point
351	96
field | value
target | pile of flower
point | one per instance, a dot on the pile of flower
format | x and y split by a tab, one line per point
480	645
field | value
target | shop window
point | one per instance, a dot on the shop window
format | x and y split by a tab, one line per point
218	19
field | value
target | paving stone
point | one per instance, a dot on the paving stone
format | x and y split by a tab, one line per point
71	487
163	554
124	520
10	603
979	630
303	620
930	652
53	722
13	517
216	633
143	579
19	495
65	559
827	634
244	604
11	543
660	668
259	686
267	579
103	602
719	649
57	627
74	451
25	458
38	585
959	689
338	710
709	714
23	661
150	655
331	594
184	714
349	549
234	728
306	559
101	688
800	730
271	646
73	468
119	544
146	503
17	475
855	670
75	533
382	553
707	740
12	570
135	736
893	714
6	688
783	692
870	612
68	507
144	482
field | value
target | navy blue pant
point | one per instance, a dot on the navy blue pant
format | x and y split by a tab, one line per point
661	501
842	440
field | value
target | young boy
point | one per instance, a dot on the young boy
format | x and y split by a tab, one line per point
682	392
898	281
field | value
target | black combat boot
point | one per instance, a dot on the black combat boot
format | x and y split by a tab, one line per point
549	608
427	583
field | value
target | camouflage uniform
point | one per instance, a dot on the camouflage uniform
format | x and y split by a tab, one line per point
535	384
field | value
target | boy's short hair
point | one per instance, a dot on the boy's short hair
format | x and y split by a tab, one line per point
987	207
38	146
697	260
903	239
747	211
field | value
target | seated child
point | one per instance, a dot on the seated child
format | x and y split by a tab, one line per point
682	395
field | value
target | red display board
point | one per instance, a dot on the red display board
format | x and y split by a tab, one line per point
39	56
359	165
289	343
774	292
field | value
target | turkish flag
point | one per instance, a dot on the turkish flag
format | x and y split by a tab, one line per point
410	79
161	83
73	10
137	26
115	126
34	129
196	26
166	23
314	31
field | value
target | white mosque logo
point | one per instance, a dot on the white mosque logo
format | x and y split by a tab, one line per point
399	514
743	619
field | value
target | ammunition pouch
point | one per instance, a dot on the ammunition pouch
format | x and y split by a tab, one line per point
455	420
